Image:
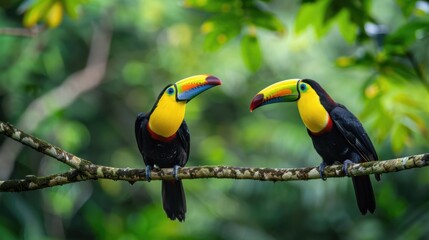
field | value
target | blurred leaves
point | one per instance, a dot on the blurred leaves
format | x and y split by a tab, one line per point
397	114
397	90
321	15
251	52
393	113
220	30
232	19
406	35
50	12
311	15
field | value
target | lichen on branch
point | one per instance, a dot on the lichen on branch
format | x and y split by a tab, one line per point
83	170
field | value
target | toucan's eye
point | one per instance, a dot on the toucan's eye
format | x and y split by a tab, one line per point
303	87
170	90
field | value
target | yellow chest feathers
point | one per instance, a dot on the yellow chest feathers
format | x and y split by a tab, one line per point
167	116
312	112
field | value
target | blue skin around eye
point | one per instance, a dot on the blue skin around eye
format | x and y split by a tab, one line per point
170	91
303	87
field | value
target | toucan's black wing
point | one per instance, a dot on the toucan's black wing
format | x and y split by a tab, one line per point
140	123
353	131
185	140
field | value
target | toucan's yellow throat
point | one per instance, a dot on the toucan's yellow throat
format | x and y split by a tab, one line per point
167	116
168	112
311	110
313	113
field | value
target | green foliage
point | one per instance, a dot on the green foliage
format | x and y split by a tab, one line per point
311	15
251	52
394	113
407	7
350	16
50	12
399	41
230	19
220	30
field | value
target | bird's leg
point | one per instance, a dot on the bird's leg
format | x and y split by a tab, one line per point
147	172
176	171
346	165
378	177
322	171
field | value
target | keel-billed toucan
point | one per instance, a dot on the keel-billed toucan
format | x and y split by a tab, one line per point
163	137
337	134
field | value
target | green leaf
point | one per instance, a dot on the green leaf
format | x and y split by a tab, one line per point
266	20
214	40
220	30
35	12
218	6
251	52
406	35
312	15
346	27
406	6
71	7
399	137
359	11
303	19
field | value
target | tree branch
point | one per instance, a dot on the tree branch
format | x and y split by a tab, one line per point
84	170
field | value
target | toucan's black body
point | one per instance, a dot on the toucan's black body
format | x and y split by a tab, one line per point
166	153
163	137
346	140
337	134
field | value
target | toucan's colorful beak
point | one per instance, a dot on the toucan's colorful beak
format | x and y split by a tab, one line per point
190	87
284	91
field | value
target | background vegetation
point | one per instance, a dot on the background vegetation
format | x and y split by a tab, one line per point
91	66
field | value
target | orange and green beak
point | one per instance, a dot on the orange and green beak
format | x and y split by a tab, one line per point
283	91
190	87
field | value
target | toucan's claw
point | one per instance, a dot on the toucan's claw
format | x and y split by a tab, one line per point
148	170
346	165
176	171
378	177
322	171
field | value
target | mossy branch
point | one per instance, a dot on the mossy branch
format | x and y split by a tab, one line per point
83	170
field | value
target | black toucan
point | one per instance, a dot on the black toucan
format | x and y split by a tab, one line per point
337	134
163	137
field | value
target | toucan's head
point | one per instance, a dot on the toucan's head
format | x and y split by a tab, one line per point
314	104
188	88
290	91
169	110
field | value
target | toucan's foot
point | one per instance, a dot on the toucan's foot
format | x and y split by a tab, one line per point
176	171
346	165
322	171
148	170
378	177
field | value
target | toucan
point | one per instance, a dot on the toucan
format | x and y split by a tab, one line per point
163	137
337	134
